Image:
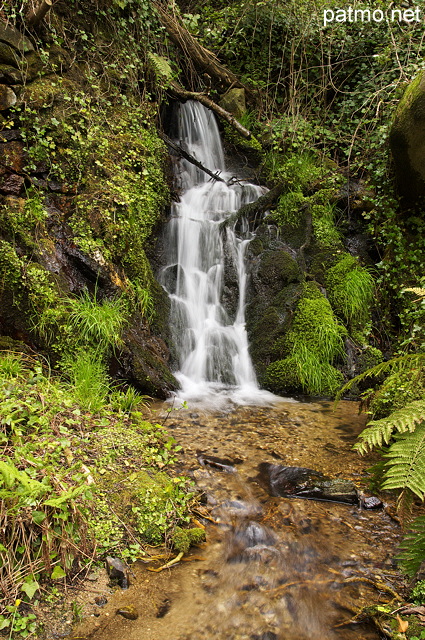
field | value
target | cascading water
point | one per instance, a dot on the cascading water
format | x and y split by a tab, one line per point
211	342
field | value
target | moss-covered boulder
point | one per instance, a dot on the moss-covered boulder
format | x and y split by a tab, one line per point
407	140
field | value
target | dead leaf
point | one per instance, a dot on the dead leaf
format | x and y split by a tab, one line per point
402	625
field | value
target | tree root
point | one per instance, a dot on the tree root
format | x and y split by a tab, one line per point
167	565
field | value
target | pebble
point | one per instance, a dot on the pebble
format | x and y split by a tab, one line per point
128	612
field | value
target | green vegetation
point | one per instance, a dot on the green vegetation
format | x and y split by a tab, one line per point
72	480
313	343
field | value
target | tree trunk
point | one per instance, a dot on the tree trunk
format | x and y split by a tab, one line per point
184	95
204	60
36	16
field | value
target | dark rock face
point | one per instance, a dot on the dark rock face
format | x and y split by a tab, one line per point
299	482
407	140
274	284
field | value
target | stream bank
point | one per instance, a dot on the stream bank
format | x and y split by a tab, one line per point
272	567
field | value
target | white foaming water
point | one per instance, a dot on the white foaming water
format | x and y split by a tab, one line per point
212	347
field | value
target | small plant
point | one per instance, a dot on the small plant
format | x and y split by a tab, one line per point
89	380
128	400
97	324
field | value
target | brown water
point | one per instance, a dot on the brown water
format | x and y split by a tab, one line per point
273	568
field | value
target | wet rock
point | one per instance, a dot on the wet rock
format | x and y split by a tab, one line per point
8	55
12	184
9	135
15	39
163	608
239	509
298	482
221	464
101	601
372	502
129	613
12	155
117	571
7	97
10	75
252	542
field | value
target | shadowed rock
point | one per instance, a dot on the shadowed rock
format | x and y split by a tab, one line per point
298	482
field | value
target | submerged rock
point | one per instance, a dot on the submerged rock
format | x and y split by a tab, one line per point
221	464
299	482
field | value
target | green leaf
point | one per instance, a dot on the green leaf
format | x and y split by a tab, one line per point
38	516
30	587
58	573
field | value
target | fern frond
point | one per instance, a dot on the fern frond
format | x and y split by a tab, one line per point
160	66
409	361
379	432
406	468
413	547
418	290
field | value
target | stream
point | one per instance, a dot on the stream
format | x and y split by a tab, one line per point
273	568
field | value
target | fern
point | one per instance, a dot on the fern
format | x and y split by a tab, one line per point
413	547
379	432
406	468
407	361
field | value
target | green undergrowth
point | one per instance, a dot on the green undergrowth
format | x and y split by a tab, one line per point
311	346
75	484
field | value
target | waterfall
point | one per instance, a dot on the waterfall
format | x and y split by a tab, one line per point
211	340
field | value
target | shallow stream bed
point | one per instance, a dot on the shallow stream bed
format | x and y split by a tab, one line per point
273	568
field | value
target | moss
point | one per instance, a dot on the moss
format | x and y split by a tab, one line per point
237	140
313	343
289	208
278	268
399	388
10	268
182	539
325	231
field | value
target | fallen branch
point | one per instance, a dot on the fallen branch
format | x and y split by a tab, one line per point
251	210
187	156
182	94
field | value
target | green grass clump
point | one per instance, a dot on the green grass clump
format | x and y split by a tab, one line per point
313	343
97	324
350	289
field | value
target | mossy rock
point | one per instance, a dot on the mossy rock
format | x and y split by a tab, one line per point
407	140
45	92
312	345
9	344
277	269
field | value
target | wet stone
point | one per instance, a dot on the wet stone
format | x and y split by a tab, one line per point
372	502
299	482
129	613
220	464
117	571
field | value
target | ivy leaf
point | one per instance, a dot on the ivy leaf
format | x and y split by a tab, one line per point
58	573
30	588
38	516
